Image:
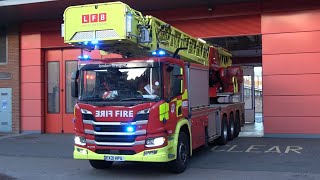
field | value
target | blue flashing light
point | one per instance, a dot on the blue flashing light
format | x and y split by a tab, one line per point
85	43
129	129
161	53
84	57
94	42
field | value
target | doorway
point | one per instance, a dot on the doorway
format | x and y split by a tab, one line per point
59	103
248	93
247	52
252	96
5	110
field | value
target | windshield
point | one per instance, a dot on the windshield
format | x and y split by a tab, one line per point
120	84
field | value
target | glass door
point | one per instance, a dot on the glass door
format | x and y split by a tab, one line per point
248	93
59	103
69	65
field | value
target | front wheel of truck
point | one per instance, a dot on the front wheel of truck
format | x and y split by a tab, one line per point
99	164
183	152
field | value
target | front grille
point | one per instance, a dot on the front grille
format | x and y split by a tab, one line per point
110	128
114	138
117	152
116	133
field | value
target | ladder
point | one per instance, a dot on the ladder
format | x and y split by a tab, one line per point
116	28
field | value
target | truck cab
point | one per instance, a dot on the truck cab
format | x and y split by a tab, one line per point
128	109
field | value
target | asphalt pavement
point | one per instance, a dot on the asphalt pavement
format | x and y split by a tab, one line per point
49	156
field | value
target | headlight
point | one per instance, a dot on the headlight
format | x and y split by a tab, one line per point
78	140
87	115
145	111
153	142
84	111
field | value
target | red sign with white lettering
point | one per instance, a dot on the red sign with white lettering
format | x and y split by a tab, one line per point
92	18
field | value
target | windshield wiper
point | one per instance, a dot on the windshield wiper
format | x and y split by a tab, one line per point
97	99
132	99
90	99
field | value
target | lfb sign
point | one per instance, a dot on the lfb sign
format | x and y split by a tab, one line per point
91	18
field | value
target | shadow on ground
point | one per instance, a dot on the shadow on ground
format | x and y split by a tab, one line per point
5	177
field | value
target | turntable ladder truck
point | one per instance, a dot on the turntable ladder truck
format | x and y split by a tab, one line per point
159	101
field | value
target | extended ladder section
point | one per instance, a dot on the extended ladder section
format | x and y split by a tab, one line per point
116	28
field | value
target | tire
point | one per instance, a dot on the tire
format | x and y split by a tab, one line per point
100	164
237	126
223	139
231	128
179	165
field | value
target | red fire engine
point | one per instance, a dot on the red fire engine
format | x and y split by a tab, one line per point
158	102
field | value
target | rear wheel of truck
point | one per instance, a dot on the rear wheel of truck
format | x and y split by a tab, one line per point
223	139
237	126
99	164
183	152
231	129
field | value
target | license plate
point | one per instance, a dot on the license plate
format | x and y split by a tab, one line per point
114	158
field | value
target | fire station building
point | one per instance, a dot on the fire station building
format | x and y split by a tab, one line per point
281	36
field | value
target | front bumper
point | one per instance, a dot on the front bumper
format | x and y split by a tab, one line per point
164	154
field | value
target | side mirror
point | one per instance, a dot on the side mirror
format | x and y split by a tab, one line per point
74	84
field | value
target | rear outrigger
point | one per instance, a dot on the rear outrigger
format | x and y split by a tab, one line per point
158	102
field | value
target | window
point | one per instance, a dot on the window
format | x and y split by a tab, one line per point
248	94
90	81
120	84
3	45
53	87
172	81
70	101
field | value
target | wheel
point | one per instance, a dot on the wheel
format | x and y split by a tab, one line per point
99	164
183	152
223	139
237	126
231	127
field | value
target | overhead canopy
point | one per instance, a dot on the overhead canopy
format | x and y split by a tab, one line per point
26	10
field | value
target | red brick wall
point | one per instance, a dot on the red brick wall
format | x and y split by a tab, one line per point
13	67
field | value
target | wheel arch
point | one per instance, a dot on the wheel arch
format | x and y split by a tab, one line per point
184	126
225	115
